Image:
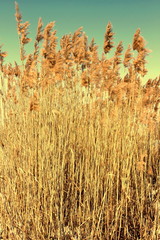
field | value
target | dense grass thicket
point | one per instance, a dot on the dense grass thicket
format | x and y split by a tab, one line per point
79	144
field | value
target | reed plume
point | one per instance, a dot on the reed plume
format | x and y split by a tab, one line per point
34	102
22	29
127	57
66	48
117	60
2	56
80	48
39	38
49	46
108	44
139	45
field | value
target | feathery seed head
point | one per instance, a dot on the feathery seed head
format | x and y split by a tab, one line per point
108	44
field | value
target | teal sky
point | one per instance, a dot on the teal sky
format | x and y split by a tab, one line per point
125	15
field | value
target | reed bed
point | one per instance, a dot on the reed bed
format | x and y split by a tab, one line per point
79	144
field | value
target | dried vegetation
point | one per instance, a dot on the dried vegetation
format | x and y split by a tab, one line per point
79	144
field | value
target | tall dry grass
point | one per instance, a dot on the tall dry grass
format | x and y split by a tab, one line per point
79	144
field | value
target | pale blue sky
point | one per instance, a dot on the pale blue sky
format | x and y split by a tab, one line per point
125	15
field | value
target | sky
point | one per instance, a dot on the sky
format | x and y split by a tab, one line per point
93	15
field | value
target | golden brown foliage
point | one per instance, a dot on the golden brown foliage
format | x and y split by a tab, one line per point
79	144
